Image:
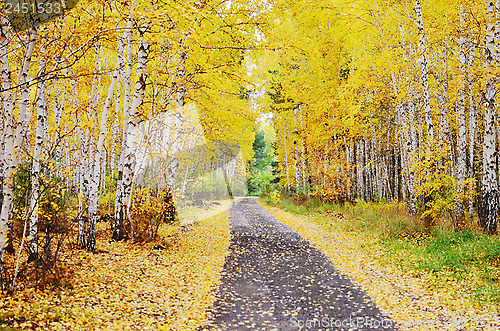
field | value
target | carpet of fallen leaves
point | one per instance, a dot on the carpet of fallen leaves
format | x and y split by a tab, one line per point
408	299
132	287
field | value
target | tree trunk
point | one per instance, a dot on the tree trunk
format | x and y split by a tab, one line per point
138	99
8	108
305	174
120	198
285	158
472	127
296	153
35	172
93	212
488	210
461	136
425	71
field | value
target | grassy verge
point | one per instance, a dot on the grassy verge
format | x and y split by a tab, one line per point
191	214
159	286
467	258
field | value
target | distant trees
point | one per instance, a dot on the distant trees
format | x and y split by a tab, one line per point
260	175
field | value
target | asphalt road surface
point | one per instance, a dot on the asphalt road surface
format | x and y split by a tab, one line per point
275	280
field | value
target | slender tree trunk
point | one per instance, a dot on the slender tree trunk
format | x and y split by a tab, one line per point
285	158
472	127
96	176
37	152
425	70
296	154
138	100
461	136
120	198
411	149
19	133
488	211
8	108
303	159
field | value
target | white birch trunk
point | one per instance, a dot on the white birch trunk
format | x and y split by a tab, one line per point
96	176
8	108
120	199
285	158
138	99
25	96
296	154
488	210
411	148
425	71
35	172
303	159
472	126
461	134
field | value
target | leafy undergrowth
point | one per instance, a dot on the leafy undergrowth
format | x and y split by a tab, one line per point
166	286
424	300
468	257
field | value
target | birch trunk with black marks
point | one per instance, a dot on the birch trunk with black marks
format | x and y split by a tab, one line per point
488	209
296	154
472	125
120	201
411	148
18	128
461	135
8	108
24	101
425	70
134	120
285	158
37	152
305	174
95	179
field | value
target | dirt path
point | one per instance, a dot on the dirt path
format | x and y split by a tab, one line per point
274	280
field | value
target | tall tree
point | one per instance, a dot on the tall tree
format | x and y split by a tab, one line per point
488	209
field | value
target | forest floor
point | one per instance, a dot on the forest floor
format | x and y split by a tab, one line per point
422	301
166	285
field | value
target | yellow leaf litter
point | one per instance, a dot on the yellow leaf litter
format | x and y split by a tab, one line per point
402	296
132	287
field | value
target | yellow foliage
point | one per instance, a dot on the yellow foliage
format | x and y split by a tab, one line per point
132	287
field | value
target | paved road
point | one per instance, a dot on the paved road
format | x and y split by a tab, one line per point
275	280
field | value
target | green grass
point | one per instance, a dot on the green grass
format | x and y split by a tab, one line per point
468	256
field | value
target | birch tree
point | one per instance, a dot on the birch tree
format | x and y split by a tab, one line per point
37	153
488	209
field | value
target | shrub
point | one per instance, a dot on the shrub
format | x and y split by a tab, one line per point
46	268
150	209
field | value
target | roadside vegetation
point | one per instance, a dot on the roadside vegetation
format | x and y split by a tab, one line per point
466	256
165	284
